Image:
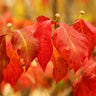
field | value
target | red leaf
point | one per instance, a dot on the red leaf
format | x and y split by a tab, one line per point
73	46
41	19
4	59
13	71
42	30
86	85
60	66
26	44
83	88
88	30
43	34
32	28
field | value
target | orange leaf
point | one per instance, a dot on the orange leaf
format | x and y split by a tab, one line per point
60	66
13	71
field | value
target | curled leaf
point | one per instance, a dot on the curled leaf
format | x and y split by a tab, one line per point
26	44
13	70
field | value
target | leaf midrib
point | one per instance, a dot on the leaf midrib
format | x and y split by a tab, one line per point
69	38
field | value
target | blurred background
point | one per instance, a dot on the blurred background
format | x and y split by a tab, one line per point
68	9
35	82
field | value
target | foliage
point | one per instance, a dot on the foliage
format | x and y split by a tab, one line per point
69	48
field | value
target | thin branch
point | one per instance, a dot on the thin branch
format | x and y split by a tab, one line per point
54	8
68	11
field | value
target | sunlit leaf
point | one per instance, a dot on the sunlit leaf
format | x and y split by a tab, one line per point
88	30
72	45
42	30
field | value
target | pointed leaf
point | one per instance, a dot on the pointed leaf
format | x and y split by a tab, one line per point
26	44
72	45
43	34
60	66
42	30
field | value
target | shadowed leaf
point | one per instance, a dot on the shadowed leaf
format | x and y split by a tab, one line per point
26	45
86	84
13	70
4	59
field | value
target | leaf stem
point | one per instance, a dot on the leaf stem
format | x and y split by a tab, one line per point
9	25
82	12
57	15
